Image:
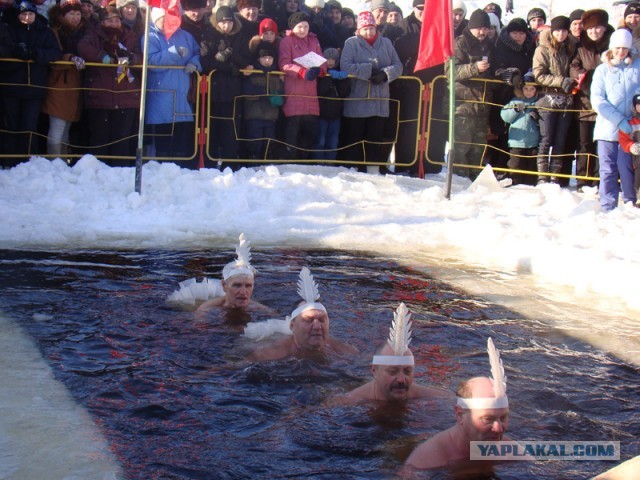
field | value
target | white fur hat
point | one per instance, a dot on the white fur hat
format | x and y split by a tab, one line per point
620	38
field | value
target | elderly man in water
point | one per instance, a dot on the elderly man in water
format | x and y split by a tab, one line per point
392	368
309	324
482	414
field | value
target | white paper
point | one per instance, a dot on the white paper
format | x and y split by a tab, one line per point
310	60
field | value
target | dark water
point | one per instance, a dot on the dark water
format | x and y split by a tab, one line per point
160	384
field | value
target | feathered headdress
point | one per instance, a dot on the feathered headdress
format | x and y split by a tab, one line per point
499	380
242	265
308	290
399	339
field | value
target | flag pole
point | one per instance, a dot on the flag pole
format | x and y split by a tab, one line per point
143	96
452	105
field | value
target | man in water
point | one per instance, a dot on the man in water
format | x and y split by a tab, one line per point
482	414
309	324
392	371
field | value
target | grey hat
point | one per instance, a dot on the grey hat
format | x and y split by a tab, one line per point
376	4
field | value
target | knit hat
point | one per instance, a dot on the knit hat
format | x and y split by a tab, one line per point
266	49
560	23
517	25
493	8
314	4
347	12
333	5
595	17
632	8
122	3
636	99
331	53
375	4
459	5
267	25
109	12
365	19
417	3
494	21
479	19
395	8
224	14
240	4
67	6
157	14
536	13
576	15
296	18
621	38
193	4
26	7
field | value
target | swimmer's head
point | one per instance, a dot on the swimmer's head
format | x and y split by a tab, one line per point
393	379
242	265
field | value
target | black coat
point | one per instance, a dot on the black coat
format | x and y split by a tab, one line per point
328	88
40	41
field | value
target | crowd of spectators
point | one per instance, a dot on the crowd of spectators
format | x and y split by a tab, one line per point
260	90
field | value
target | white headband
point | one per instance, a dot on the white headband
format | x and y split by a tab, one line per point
308	306
499	381
308	290
400	360
483	403
242	265
237	271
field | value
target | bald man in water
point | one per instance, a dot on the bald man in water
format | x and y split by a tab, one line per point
478	418
392	382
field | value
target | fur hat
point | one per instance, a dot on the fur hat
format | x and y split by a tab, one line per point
314	4
536	13
240	4
375	4
595	17
122	3
331	53
517	25
109	12
296	18
621	38
458	5
632	8
193	4
157	14
224	14
67	6
560	23
493	8
479	19
365	19
267	25
576	15
266	49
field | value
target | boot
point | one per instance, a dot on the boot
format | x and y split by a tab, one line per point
543	167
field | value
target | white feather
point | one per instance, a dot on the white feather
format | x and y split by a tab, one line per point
307	287
400	331
244	252
497	370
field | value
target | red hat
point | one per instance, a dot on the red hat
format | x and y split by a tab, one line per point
365	19
267	25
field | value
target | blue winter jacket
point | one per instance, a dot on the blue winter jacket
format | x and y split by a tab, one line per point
612	91
167	88
524	131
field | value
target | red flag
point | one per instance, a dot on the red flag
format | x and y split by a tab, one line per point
172	18
436	36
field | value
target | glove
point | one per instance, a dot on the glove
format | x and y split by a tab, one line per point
378	77
534	115
276	100
338	74
519	107
190	67
625	127
567	84
79	61
634	149
311	74
182	51
224	55
124	61
23	52
507	75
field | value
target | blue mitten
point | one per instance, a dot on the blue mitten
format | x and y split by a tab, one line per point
338	74
311	74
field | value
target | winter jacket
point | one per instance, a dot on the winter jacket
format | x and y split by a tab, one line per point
475	94
225	81
359	59
551	63
39	40
104	91
167	88
407	44
586	59
6	43
300	93
196	29
256	105
627	140
331	92
508	54
524	131
64	96
612	91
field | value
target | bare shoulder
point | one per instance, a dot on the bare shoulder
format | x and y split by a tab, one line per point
430	454
357	395
339	346
274	351
259	307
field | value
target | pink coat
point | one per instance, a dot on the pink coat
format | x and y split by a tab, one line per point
301	95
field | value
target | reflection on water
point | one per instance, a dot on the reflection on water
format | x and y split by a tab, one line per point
162	388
